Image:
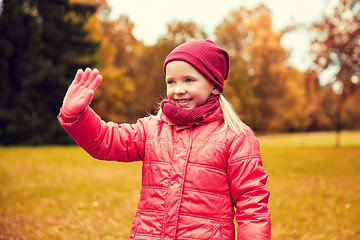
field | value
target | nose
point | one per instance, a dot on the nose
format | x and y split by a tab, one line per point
179	89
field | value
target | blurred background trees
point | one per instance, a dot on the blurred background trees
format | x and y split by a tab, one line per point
270	88
336	47
118	51
43	42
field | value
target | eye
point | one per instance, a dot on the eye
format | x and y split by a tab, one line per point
189	80
169	82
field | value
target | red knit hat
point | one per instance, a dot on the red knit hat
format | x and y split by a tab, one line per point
204	55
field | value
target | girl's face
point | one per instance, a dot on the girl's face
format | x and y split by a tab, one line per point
186	87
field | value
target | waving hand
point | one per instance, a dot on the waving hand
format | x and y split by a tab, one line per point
81	91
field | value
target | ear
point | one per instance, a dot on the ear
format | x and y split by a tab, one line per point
215	91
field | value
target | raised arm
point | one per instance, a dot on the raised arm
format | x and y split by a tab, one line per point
102	140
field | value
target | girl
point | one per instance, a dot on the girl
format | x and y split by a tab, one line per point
200	162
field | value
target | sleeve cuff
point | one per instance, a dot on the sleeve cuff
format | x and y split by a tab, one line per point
66	118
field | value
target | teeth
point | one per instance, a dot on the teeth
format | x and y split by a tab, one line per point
183	101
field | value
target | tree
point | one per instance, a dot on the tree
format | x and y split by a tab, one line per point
317	117
239	91
293	101
336	46
42	43
248	34
119	49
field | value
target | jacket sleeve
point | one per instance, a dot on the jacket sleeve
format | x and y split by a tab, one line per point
247	179
105	140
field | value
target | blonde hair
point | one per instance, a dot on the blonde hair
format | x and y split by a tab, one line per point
231	118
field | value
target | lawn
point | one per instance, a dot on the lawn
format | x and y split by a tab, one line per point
58	192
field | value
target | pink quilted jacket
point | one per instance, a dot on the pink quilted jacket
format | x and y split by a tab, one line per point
193	176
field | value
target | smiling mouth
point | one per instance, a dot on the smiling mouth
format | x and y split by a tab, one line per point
182	100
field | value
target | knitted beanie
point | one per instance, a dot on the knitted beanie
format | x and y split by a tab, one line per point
206	57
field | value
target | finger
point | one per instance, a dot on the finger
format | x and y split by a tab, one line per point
85	76
94	73
78	75
95	84
88	98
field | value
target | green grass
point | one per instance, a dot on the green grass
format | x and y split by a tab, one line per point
62	193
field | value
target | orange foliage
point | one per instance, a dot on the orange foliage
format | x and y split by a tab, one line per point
274	85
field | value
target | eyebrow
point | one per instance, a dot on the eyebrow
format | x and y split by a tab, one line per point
190	76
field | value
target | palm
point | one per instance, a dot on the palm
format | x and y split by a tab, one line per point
81	91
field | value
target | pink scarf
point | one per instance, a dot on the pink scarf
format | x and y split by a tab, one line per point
182	116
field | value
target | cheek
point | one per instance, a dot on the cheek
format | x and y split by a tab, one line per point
168	92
